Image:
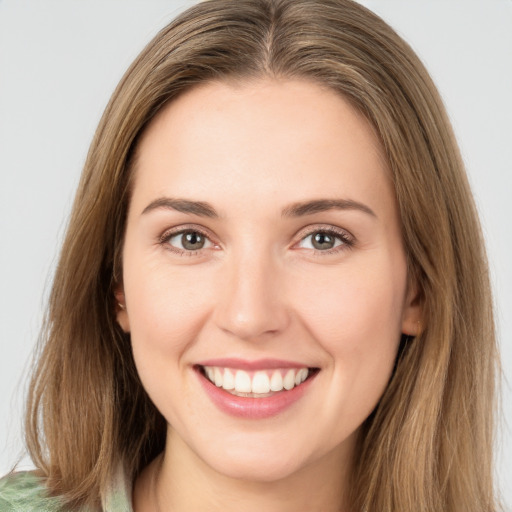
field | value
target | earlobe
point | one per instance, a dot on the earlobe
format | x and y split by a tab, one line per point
121	312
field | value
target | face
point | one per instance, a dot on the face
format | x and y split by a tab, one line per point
264	276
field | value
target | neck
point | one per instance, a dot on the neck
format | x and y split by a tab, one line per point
179	481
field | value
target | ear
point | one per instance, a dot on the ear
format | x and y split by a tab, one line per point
121	312
412	311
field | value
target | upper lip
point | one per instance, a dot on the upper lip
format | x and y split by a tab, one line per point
257	364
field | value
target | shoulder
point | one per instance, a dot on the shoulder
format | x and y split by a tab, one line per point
26	492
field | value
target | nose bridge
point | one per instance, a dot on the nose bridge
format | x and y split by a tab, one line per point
251	302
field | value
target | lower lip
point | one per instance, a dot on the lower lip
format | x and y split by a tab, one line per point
253	408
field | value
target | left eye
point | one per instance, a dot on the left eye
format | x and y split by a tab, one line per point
189	241
321	241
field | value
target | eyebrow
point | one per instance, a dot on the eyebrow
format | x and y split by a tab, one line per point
203	209
323	205
182	205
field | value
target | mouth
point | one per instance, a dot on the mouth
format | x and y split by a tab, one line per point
261	383
256	389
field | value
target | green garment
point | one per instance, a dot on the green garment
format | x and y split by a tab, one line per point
25	492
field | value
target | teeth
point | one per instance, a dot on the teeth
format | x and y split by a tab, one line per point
301	376
259	383
229	380
276	382
218	377
289	380
242	382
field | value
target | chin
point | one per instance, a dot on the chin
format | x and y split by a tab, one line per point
257	471
257	462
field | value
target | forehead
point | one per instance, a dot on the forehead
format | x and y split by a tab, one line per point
263	139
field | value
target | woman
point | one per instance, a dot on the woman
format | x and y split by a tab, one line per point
273	291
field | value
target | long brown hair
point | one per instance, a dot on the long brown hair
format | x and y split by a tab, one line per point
428	444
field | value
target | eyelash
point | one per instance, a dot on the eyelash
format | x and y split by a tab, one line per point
164	239
347	241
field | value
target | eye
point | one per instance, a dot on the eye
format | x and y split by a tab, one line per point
325	240
187	241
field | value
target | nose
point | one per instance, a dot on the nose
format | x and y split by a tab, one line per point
252	299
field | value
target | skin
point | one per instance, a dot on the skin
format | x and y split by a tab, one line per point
259	288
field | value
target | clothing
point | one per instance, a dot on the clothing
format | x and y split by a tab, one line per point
26	492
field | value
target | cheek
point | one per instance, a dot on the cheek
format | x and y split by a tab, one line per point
167	309
354	302
356	317
165	306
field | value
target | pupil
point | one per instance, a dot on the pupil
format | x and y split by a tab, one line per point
192	240
323	241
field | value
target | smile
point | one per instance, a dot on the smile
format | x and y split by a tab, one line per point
258	384
254	390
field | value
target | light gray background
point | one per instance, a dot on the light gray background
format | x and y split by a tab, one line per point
61	59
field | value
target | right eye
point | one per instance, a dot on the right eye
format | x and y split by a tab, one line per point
187	242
